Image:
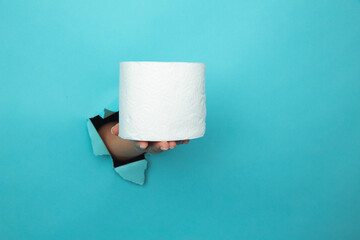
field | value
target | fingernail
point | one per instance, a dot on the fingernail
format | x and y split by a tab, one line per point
164	149
172	147
111	130
143	146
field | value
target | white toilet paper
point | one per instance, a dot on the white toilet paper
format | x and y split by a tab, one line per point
162	101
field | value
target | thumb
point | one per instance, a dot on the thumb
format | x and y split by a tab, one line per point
115	129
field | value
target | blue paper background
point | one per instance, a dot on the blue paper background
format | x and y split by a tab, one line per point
281	155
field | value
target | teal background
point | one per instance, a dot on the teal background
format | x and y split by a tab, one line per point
281	154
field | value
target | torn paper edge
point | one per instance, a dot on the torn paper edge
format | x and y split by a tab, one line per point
133	172
97	143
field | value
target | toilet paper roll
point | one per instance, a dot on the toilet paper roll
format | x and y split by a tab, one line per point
162	101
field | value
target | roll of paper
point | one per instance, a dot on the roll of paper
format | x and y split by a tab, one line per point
162	101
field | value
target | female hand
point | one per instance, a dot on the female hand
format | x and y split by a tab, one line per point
151	146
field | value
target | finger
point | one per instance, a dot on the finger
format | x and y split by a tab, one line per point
187	141
153	148
115	129
141	144
172	144
163	145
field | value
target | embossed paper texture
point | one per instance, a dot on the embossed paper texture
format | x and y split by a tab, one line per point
162	101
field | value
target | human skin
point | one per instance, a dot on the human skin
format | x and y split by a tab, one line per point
123	149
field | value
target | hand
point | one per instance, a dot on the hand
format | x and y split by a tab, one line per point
151	146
